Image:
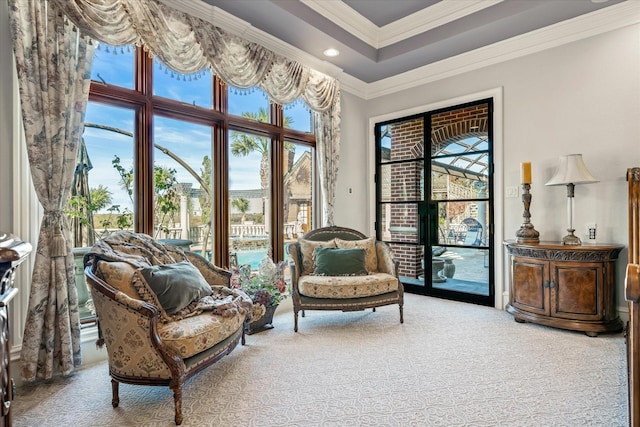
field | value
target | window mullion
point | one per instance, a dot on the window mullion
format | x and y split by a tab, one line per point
220	180
143	172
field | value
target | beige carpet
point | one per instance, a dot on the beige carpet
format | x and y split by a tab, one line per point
450	364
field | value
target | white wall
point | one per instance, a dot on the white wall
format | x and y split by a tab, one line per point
582	97
351	207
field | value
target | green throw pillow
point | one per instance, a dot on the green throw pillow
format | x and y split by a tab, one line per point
176	285
339	262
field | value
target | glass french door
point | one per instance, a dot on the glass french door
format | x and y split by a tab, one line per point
434	200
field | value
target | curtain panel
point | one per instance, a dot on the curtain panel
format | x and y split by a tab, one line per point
53	64
188	44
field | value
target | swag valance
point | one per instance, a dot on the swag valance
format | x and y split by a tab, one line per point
189	44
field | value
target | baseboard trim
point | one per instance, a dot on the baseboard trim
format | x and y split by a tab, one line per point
90	353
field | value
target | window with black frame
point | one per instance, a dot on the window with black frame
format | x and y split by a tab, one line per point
434	200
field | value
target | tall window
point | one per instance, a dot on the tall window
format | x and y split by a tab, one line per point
166	159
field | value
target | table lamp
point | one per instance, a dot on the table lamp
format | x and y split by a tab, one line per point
571	171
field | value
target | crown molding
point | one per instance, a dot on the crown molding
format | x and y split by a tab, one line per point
429	18
598	22
194	8
353	85
592	24
419	22
346	18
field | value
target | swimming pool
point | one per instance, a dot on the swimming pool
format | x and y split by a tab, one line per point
251	257
247	256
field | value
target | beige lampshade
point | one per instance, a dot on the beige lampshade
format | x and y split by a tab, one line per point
572	170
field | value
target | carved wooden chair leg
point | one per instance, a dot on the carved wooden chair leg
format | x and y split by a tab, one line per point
374	309
401	315
295	321
115	399
177	400
302	313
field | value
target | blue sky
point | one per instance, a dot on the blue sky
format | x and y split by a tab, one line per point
187	140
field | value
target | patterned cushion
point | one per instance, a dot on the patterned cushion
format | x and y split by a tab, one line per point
369	246
120	276
176	285
307	248
193	335
126	334
347	286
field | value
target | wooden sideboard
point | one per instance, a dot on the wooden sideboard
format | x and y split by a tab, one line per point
568	287
13	252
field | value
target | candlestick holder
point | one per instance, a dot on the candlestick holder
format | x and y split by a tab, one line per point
527	233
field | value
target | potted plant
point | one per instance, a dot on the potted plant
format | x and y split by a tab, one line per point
266	288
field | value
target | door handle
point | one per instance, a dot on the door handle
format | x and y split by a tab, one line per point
432	224
428	223
423	223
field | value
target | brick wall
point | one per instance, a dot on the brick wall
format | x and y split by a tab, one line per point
407	144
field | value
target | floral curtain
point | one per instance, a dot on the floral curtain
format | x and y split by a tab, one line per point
326	126
53	62
188	44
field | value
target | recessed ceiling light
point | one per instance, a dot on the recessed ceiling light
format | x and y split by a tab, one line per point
331	52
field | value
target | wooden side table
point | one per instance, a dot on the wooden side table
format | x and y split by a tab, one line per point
568	287
13	252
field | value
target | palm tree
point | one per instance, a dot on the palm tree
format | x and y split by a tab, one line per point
243	144
242	205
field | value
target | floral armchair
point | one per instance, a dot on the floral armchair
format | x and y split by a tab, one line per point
337	268
163	314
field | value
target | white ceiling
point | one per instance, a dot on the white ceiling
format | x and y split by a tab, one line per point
389	45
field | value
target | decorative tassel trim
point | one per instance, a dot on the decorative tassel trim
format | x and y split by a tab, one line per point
58	245
54	221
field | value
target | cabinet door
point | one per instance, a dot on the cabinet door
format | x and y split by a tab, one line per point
577	290
529	281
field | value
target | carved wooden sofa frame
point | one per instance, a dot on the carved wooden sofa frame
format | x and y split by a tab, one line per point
386	264
144	318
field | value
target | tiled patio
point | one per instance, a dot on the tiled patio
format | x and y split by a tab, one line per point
471	271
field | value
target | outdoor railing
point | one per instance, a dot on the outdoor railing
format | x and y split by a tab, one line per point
196	232
242	230
255	230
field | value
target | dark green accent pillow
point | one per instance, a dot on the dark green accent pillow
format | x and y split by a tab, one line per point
339	262
176	285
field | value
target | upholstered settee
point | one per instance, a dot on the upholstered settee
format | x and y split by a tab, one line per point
164	314
338	268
